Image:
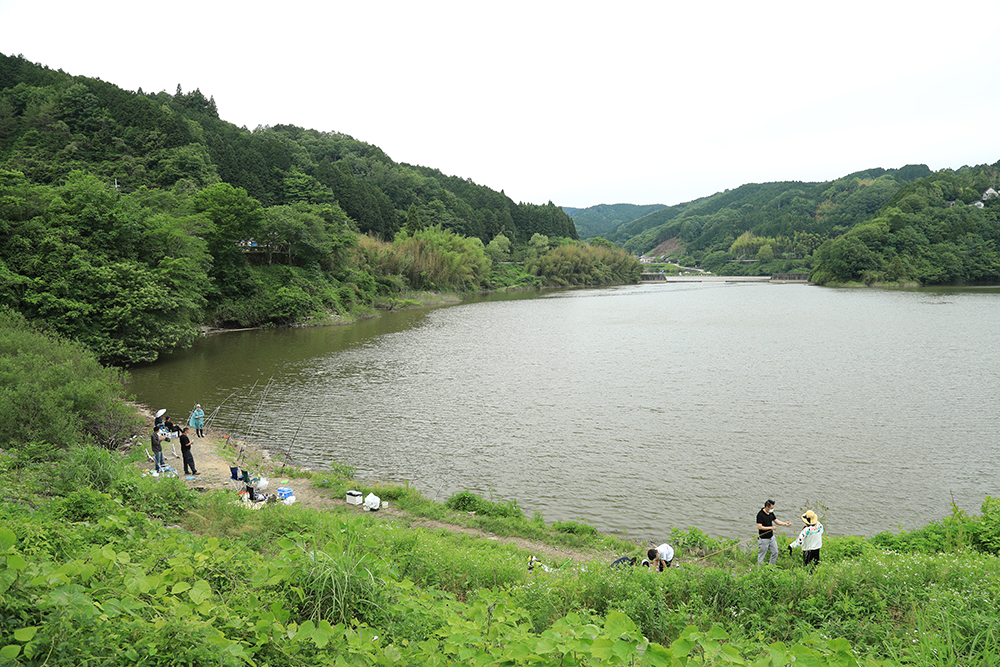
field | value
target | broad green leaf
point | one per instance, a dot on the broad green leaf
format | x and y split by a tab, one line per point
545	645
619	624
25	634
7	579
624	649
659	656
602	648
15	562
732	655
7	539
682	647
10	651
200	592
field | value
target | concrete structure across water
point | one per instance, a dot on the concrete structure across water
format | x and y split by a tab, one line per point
706	278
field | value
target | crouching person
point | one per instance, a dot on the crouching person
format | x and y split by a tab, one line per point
661	557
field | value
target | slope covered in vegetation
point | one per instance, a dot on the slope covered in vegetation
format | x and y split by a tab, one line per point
132	220
904	225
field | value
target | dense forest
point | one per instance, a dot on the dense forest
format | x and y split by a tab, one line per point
603	219
905	225
132	220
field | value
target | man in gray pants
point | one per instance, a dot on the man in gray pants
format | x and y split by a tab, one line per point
766	541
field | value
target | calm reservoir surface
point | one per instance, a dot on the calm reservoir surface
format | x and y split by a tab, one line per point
638	408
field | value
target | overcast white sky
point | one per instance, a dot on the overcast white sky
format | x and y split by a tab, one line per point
580	103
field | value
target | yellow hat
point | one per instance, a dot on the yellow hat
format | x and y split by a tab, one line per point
810	518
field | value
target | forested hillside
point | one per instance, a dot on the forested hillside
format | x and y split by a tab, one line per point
877	225
130	220
602	220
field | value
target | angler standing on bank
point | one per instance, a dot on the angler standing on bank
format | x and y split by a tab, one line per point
766	541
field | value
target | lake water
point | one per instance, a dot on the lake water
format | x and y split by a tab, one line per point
636	408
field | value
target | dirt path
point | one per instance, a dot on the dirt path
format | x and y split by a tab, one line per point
215	453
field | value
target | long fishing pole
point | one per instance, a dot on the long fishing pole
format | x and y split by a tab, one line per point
259	408
289	450
731	546
216	410
239	415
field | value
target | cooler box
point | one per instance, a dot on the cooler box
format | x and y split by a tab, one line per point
284	492
353	497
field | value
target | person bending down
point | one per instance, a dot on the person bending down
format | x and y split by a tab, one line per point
661	557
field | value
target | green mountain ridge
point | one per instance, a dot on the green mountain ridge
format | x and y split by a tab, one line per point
132	221
877	225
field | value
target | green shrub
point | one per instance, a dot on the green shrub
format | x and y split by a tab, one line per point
87	505
845	547
58	391
574	528
87	467
467	501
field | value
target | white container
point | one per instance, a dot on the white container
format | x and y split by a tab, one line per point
353	497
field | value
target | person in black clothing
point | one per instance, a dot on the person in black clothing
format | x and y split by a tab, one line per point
169	425
154	441
766	541
186	453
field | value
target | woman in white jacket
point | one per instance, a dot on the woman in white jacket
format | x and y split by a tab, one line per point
810	539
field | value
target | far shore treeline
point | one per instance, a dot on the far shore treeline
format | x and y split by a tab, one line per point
877	226
131	220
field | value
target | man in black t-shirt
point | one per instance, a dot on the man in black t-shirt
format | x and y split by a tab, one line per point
186	454
766	541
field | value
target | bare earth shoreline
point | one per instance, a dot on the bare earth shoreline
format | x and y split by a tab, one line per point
217	452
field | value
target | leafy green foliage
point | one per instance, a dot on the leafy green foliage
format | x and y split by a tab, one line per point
132	220
86	579
604	219
583	264
466	501
56	392
574	528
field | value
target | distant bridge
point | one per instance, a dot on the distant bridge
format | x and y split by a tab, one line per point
706	278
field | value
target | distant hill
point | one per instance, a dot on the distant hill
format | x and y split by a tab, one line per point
768	210
878	225
603	219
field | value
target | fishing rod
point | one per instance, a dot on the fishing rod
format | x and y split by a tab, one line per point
239	415
260	407
216	410
289	450
256	414
731	546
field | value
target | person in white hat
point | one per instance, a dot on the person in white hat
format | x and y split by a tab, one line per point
810	539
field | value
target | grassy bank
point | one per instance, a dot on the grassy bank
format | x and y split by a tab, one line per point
102	566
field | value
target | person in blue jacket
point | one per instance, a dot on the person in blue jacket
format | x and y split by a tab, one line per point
197	420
